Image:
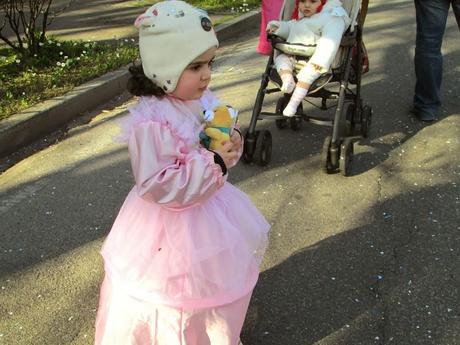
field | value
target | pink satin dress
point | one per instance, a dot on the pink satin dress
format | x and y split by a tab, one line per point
183	255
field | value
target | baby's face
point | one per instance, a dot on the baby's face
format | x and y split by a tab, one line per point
309	7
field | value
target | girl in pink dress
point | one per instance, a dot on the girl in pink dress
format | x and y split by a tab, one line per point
183	255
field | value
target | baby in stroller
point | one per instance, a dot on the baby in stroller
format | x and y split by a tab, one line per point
315	22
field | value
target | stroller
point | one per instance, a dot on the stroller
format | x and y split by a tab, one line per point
352	119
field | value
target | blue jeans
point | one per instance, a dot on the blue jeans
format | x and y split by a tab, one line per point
431	16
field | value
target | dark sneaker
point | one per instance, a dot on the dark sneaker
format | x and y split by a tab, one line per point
423	115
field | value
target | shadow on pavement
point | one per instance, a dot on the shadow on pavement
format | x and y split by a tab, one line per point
396	276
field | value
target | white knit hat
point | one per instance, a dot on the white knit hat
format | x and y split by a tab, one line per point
171	35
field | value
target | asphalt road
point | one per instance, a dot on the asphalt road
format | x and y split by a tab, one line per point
369	259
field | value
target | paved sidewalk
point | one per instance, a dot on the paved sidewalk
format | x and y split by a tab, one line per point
101	20
371	259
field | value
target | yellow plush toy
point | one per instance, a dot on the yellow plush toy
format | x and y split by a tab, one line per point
218	125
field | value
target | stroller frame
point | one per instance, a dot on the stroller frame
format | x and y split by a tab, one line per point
350	123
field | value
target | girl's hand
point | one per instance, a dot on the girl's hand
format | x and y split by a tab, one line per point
236	141
227	152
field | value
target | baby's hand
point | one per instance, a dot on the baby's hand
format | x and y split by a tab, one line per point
227	152
272	26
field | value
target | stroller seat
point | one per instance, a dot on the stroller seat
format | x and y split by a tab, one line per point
302	53
351	119
295	49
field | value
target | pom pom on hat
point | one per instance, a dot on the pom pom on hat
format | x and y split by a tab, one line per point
171	35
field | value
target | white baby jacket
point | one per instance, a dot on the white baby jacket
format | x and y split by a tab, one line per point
325	29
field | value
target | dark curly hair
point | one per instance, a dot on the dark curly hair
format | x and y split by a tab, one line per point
140	85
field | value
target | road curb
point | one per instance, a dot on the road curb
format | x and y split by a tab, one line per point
23	128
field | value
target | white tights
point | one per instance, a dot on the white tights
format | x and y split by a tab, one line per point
307	75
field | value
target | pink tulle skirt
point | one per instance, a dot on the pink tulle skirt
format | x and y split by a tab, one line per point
124	320
205	257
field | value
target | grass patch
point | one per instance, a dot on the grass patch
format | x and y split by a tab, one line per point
216	6
60	67
212	6
63	65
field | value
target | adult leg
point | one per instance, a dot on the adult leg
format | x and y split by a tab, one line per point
264	46
270	11
431	16
456	9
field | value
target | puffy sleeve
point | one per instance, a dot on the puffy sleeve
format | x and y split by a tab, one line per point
166	172
284	29
329	42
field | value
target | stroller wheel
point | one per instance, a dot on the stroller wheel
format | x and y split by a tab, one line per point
326	164
346	156
350	119
281	123
296	122
366	117
280	104
263	152
250	142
